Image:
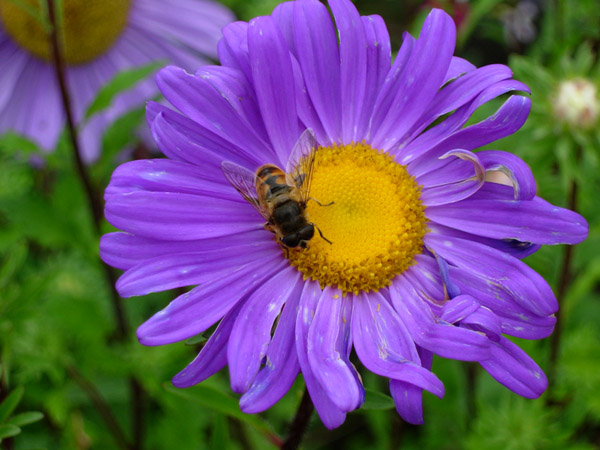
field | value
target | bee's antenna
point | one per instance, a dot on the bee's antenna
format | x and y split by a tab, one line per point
319	230
320	204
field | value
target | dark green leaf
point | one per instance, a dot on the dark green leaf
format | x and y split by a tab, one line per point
10	403
119	83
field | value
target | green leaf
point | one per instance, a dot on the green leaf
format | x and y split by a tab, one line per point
26	418
7	431
119	83
220	402
10	403
377	400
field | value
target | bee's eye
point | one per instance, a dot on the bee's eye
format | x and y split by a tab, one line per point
291	240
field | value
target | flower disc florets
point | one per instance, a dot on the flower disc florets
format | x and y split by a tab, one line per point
89	28
376	222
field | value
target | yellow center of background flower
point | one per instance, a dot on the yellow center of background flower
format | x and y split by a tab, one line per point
88	28
376	223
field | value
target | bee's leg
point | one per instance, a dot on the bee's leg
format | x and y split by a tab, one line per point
319	203
269	226
321	234
287	252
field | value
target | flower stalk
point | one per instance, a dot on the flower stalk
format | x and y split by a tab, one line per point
137	392
300	423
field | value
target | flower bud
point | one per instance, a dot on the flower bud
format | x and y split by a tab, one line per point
576	103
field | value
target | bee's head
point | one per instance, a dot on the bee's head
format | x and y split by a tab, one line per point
300	238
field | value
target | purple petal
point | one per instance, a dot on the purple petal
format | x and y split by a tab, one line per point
409	398
163	175
239	92
124	250
421	80
182	139
195	311
508	119
436	335
201	101
430	139
460	92
525	285
187	269
515	248
274	84
212	357
391	84
318	55
484	321
233	48
353	60
384	345
283	14
512	166
281	366
326	356
459	308
513	368
457	67
379	57
449	287
465	185
159	215
528	220
466	310
516	320
251	332
330	415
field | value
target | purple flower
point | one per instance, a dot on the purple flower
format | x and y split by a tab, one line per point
425	254
119	35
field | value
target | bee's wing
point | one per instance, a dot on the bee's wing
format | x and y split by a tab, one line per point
245	182
300	165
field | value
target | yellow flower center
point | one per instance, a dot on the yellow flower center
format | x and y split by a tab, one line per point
87	28
376	223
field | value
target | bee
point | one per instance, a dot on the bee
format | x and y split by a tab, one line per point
281	197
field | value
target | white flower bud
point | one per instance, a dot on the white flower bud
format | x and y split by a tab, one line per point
576	103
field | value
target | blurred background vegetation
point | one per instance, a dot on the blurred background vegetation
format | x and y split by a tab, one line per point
72	378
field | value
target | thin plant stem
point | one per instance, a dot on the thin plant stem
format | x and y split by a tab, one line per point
299	424
563	284
59	67
137	391
101	406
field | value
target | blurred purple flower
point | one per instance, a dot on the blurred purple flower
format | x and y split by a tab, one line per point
402	181
119	35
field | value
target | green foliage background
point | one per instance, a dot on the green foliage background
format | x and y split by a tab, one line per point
63	364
